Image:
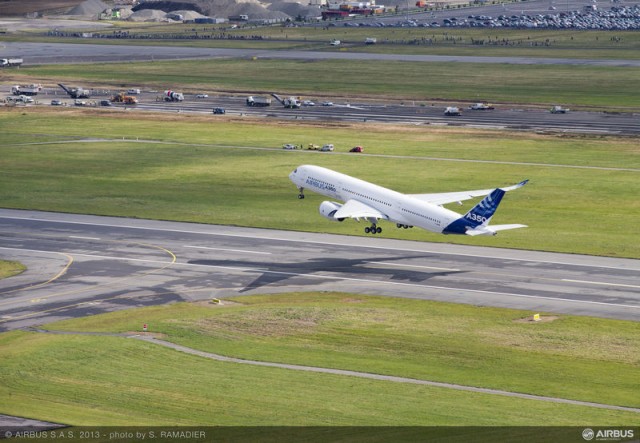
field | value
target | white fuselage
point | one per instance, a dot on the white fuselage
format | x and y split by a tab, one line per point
399	208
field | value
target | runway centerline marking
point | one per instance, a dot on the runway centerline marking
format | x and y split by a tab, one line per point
230	250
83	238
601	283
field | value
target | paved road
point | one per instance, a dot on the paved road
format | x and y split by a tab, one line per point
82	265
50	53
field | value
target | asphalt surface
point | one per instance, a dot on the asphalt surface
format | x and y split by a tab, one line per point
83	265
51	53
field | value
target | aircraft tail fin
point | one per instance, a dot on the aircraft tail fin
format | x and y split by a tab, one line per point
476	220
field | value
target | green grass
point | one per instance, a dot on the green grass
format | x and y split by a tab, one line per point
10	268
204	176
618	88
90	380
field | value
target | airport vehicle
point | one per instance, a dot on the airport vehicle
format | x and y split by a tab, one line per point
105	103
452	110
327	148
56	102
202	96
335	42
258	101
25	99
26	90
356	149
172	96
76	92
290	102
481	107
219	111
327	103
289	146
313	147
126	99
308	103
6	62
133	91
370	41
364	200
79	102
559	110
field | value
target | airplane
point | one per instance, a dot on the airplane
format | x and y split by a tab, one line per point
364	200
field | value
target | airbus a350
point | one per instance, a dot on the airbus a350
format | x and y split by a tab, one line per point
364	200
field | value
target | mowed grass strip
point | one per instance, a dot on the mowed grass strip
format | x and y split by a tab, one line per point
94	380
10	268
569	357
230	171
570	85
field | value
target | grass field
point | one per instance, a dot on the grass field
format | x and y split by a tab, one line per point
210	170
10	268
101	380
534	85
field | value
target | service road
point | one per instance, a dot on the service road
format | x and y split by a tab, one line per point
83	265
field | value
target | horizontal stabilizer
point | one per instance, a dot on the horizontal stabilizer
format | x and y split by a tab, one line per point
492	230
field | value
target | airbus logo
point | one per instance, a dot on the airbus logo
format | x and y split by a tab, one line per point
607	434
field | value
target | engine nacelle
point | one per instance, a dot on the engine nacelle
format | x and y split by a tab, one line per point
328	209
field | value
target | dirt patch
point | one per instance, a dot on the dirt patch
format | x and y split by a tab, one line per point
147	334
13	8
542	319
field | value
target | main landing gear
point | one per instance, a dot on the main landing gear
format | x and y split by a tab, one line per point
301	195
373	229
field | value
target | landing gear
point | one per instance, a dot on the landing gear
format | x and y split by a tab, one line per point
373	229
398	225
301	195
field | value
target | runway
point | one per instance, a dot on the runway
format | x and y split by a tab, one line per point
82	265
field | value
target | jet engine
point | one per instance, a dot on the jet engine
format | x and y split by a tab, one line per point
328	209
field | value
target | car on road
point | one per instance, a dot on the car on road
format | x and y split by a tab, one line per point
105	103
356	149
327	148
202	96
308	103
219	111
558	110
56	102
133	91
80	103
327	103
289	146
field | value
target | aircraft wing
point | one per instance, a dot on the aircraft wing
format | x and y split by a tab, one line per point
356	209
451	197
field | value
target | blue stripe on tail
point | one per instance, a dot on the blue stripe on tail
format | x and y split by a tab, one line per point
479	215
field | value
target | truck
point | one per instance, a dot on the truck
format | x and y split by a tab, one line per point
172	96
126	99
481	107
6	62
370	41
26	90
258	101
76	92
452	110
559	110
290	102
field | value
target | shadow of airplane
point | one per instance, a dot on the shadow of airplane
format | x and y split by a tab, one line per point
362	268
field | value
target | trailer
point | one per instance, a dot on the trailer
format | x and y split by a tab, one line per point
258	101
7	62
26	90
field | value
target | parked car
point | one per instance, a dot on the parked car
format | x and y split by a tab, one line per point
327	103
56	102
289	146
326	148
219	111
202	96
559	110
105	103
356	149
